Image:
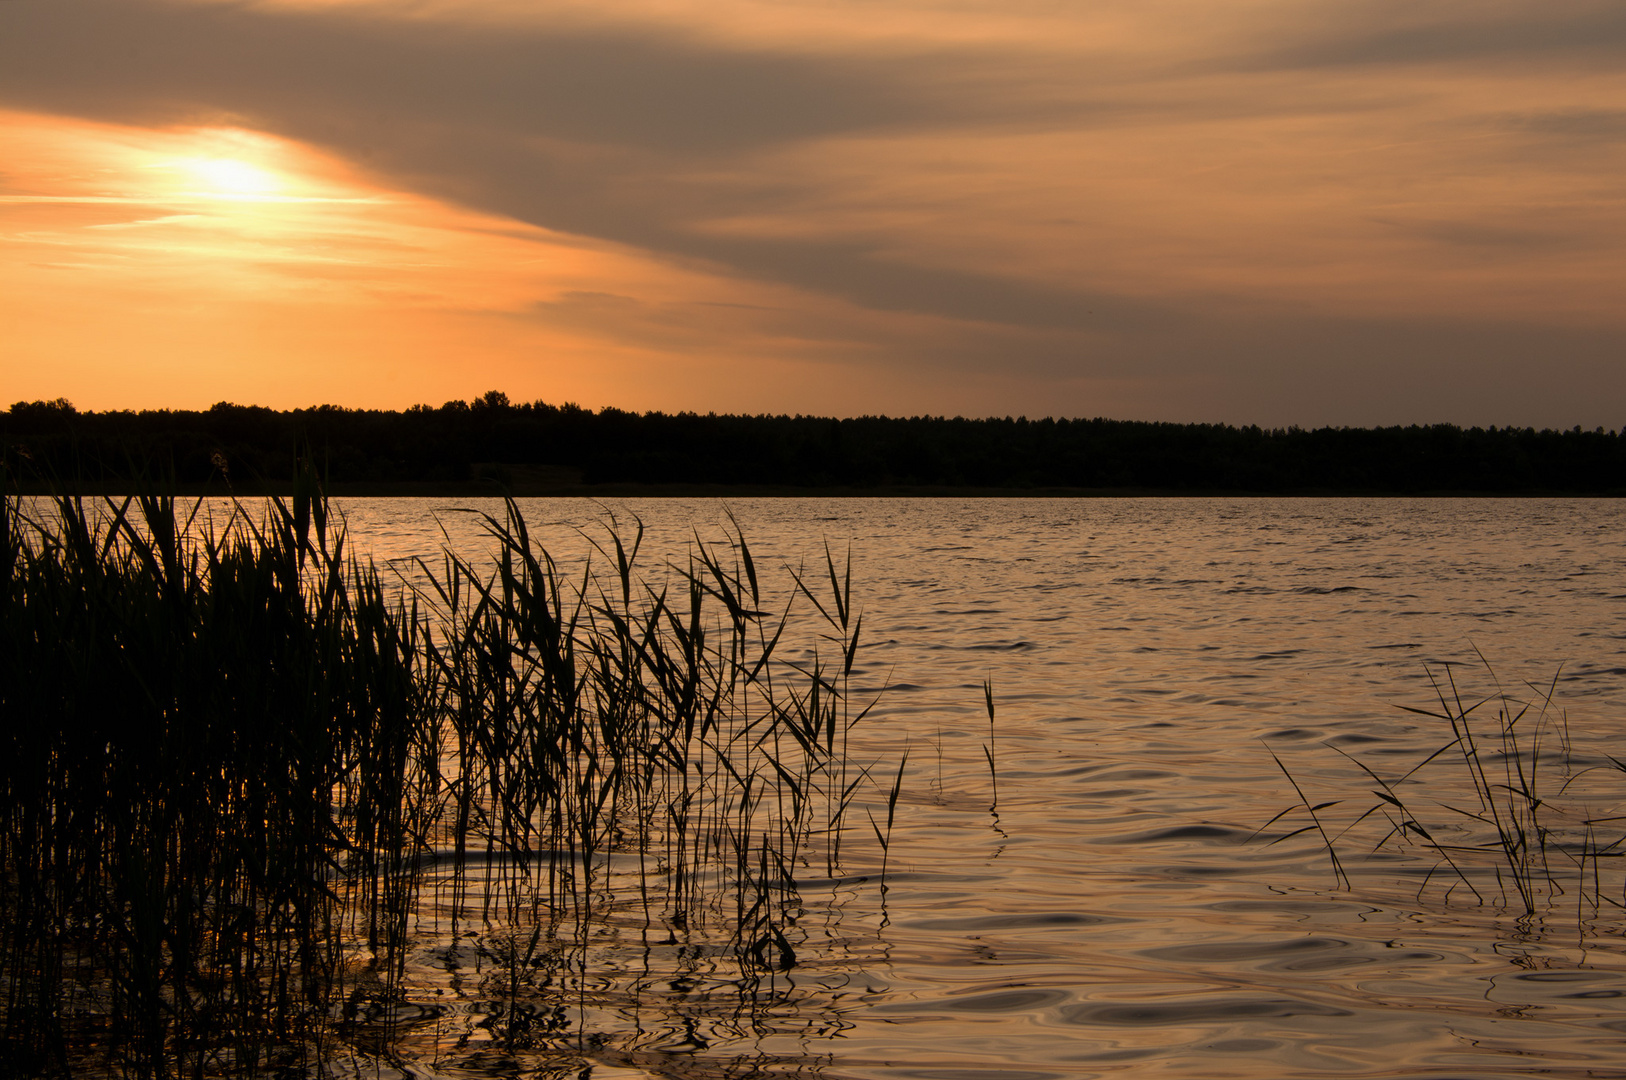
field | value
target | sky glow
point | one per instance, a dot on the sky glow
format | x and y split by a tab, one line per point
1276	212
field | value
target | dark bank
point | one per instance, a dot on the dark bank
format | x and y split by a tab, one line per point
491	444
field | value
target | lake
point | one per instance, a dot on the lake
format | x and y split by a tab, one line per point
1113	913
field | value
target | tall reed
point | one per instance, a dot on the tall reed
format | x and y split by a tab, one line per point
208	745
646	720
234	758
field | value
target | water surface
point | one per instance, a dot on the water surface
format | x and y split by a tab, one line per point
1113	913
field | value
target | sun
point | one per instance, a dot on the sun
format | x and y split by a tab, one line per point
230	178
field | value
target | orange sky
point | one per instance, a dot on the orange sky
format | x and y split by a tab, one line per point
1282	212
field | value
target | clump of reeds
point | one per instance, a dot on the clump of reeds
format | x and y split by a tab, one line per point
1507	810
202	777
231	756
642	726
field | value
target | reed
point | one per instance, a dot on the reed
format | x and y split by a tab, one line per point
207	746
642	731
988	747
237	764
1507	809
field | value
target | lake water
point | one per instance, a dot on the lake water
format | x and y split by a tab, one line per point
1114	914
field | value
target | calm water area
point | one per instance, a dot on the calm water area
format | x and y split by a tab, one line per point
1114	914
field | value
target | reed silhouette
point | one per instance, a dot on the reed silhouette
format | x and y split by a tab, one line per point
1508	811
239	766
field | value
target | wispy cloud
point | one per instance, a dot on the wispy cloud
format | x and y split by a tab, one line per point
1585	33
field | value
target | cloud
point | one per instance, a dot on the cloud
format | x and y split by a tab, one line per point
633	135
1588	125
598	132
1203	207
1538	233
144	61
1381	33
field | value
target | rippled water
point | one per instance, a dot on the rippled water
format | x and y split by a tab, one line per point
1113	914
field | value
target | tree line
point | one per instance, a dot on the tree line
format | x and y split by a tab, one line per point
492	442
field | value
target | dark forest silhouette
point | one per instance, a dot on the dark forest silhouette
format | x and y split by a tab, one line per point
493	444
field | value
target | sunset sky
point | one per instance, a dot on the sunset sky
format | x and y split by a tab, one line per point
1259	211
